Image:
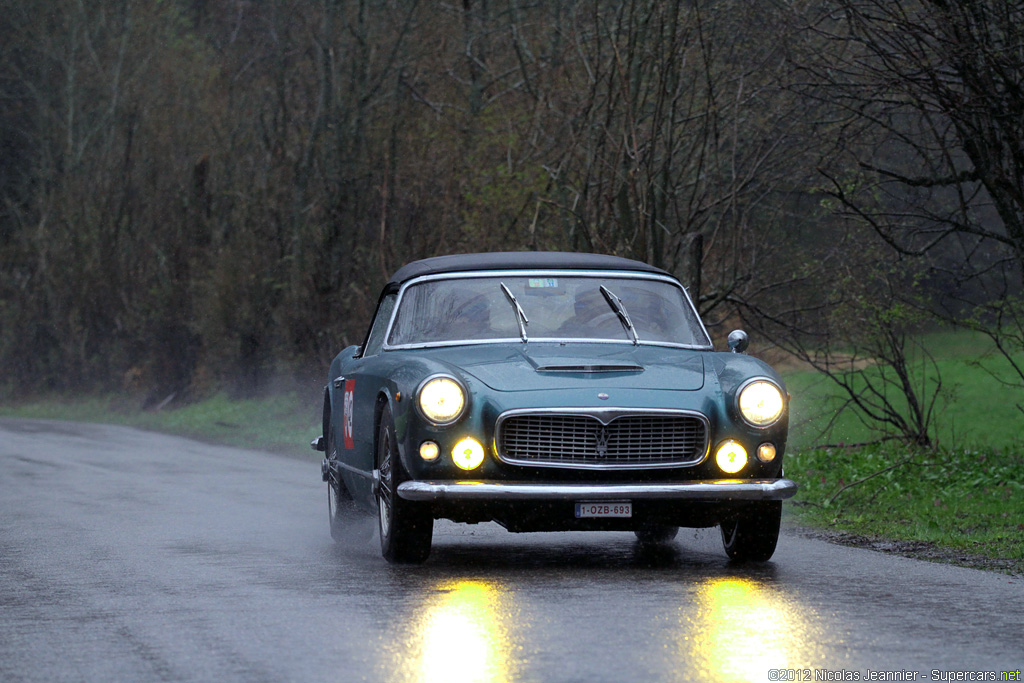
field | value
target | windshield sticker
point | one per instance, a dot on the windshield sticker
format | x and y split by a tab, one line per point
348	401
543	282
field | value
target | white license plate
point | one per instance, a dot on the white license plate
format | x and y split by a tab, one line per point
610	509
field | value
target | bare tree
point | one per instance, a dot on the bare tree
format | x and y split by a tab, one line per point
93	253
214	190
926	97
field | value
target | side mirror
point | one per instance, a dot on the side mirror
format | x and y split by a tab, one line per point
738	341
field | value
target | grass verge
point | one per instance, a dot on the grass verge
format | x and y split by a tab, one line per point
964	506
281	424
963	503
974	405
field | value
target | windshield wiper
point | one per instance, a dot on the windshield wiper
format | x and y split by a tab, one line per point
520	315
620	310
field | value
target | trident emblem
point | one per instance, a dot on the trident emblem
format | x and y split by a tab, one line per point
603	436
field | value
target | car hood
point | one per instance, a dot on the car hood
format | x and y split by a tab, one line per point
541	367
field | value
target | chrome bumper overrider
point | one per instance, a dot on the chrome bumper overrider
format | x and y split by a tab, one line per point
497	491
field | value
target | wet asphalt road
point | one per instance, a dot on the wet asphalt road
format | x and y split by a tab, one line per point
126	555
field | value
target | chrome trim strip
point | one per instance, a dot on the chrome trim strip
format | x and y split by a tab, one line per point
350	468
541	340
602	414
723	490
590	368
605	416
624	274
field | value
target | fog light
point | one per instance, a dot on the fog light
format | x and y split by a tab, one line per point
766	452
429	451
731	457
468	453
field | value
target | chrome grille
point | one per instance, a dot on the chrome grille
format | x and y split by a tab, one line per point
597	440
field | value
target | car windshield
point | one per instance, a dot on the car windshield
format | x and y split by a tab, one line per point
607	308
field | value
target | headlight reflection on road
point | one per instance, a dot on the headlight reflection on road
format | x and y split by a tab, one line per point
460	636
743	629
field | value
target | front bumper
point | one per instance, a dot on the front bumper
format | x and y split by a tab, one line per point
499	491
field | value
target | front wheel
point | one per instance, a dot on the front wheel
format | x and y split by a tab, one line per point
341	508
752	534
406	529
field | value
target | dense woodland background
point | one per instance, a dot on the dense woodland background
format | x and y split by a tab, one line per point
210	193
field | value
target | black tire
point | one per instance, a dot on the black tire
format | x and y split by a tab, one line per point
341	508
752	534
406	529
656	534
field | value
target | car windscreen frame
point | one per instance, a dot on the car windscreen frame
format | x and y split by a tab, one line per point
544	273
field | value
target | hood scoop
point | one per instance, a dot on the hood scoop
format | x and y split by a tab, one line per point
595	367
567	367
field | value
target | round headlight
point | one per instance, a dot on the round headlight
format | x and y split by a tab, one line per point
761	403
442	400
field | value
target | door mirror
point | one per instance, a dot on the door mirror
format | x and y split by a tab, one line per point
738	341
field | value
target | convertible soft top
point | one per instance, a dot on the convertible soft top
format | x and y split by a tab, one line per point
516	260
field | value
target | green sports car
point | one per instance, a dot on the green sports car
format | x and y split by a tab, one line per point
551	391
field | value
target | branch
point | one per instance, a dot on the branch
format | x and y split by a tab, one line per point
856	445
922	181
861	481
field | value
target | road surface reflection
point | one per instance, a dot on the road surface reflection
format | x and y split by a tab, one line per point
742	627
461	634
716	628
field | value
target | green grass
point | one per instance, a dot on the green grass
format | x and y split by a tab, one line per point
969	501
282	424
974	408
966	498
